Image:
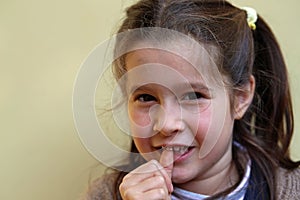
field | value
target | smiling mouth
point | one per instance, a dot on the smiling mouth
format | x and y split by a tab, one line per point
176	149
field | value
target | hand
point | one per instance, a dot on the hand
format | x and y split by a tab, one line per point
151	180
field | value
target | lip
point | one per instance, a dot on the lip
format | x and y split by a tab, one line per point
172	145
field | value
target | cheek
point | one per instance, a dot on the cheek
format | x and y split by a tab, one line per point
203	131
140	123
199	124
139	117
142	144
214	132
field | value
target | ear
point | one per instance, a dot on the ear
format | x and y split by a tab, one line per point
243	98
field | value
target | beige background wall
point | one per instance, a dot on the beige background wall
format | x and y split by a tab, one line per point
42	44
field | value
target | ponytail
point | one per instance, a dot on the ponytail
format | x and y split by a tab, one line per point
272	102
267	128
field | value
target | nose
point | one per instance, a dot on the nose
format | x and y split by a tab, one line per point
168	119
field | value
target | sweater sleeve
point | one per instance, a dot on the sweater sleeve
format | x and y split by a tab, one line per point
102	188
288	184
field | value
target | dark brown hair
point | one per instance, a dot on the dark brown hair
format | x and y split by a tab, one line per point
267	127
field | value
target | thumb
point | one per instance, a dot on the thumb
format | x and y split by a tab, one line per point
166	160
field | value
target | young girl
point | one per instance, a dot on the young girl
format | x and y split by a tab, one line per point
209	105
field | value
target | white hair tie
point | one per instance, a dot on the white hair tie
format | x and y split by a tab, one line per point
251	16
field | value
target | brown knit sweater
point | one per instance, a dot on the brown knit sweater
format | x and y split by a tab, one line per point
288	186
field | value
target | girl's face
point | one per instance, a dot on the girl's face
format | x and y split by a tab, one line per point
172	105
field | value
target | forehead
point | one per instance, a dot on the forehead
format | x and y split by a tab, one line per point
178	49
161	59
174	61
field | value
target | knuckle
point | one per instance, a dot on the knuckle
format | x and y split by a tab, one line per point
159	193
122	186
160	180
155	163
123	190
162	192
130	195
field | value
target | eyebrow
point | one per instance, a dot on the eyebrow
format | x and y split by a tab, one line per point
200	86
175	87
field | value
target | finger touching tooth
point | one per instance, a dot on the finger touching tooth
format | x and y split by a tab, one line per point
166	160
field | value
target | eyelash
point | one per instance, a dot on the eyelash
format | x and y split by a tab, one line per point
145	98
192	96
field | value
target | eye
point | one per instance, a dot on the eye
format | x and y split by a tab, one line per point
145	98
193	96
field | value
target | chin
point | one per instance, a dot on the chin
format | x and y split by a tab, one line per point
181	176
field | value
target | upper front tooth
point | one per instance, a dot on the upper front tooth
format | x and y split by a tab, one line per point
176	148
168	148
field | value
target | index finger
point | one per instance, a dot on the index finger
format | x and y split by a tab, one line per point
166	160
